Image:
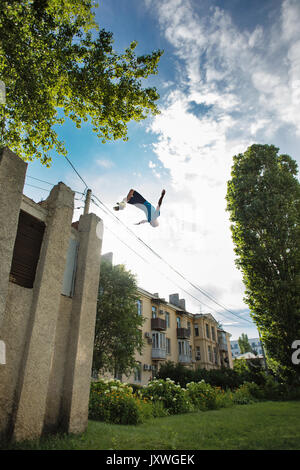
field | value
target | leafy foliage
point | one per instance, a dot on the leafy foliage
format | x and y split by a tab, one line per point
115	402
244	344
263	199
174	398
117	332
56	63
225	378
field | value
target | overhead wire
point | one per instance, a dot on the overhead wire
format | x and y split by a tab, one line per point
106	211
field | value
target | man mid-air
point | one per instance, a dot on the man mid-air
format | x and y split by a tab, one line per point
136	199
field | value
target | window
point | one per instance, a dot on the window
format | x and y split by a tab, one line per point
213	334
26	250
184	348
154	312
178	322
198	353
139	307
196	330
207	330
138	372
167	318
210	354
215	356
168	345
189	326
158	340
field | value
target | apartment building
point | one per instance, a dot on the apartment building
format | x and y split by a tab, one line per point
172	334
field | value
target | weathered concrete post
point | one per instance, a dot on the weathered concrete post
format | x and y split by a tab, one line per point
12	177
30	400
81	337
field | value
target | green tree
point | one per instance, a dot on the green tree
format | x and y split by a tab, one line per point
57	63
263	198
118	325
244	344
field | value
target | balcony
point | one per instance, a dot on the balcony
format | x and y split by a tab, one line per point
158	324
223	346
159	353
185	358
183	333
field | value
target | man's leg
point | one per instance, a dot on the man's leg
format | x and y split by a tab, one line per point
130	194
161	197
121	205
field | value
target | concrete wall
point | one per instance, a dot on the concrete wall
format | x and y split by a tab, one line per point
44	385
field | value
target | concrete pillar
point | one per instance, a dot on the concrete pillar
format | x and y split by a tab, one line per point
12	177
78	367
31	396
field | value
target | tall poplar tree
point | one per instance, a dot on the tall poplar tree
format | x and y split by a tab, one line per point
263	199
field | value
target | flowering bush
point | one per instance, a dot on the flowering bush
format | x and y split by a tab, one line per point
224	398
243	395
114	402
202	395
174	398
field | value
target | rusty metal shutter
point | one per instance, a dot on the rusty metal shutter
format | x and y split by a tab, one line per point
26	250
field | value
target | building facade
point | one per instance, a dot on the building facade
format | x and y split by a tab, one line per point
171	333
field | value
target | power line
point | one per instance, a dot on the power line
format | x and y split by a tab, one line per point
159	256
37	187
86	186
203	292
47	182
37	179
171	280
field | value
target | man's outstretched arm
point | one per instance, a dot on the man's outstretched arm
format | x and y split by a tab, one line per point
141	222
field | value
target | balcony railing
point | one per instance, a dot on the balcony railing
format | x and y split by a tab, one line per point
158	324
185	358
159	353
183	333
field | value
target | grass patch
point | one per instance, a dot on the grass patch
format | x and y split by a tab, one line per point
261	426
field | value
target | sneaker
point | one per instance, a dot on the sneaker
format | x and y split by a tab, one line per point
116	208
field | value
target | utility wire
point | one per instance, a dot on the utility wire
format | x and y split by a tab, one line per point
169	279
86	186
203	292
157	255
51	184
36	187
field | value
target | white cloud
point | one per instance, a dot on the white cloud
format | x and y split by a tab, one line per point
105	163
234	87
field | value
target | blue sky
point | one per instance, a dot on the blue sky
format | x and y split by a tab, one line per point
229	77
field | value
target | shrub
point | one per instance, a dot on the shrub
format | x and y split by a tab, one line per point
114	402
202	395
224	398
176	372
172	396
242	395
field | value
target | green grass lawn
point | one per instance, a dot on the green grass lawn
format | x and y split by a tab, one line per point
264	425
